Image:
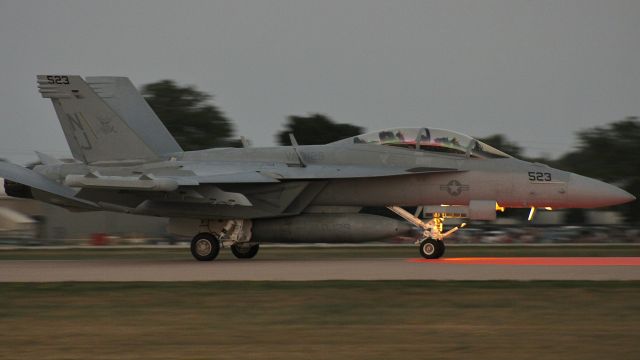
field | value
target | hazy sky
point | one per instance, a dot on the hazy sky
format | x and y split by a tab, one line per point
537	71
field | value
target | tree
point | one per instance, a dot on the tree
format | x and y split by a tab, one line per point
609	153
315	129
189	115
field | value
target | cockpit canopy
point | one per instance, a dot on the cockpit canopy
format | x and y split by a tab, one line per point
428	139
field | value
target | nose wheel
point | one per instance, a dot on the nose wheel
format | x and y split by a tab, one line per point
431	248
431	245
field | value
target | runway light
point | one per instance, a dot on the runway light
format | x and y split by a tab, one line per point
533	211
548	208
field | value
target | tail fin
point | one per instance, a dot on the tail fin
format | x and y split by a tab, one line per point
94	131
123	97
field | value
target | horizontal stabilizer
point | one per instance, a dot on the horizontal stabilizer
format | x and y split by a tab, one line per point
62	195
47	159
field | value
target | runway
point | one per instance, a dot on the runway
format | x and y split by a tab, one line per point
566	268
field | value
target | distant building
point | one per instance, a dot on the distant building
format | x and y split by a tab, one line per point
16	225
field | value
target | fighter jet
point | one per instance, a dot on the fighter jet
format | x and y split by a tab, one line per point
126	161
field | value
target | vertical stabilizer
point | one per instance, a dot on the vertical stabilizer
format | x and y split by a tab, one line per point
94	131
123	97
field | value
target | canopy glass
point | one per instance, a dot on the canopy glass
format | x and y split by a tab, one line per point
429	139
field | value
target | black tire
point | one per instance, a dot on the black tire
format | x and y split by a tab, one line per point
245	252
441	249
205	247
431	248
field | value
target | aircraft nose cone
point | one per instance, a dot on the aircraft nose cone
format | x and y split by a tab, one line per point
586	192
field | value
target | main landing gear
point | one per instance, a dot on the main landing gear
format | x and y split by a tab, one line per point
215	234
206	247
245	251
431	244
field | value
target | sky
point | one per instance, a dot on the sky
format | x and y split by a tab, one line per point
536	71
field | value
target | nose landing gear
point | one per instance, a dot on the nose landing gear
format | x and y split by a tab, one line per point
431	244
431	249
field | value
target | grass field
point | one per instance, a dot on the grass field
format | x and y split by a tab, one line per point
311	252
321	320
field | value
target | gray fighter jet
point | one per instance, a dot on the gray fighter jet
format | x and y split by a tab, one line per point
126	161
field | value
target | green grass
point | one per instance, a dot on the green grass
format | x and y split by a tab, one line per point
303	253
320	320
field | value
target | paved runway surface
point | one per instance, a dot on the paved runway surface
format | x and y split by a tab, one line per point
623	268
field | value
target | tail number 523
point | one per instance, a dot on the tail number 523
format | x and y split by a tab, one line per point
58	79
539	176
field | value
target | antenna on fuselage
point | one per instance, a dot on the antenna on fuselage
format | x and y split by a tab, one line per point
245	142
294	144
471	145
422	133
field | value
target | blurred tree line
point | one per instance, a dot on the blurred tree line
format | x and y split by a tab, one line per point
190	115
315	129
604	152
196	123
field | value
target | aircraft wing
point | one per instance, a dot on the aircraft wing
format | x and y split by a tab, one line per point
167	180
258	190
281	172
267	191
235	178
347	172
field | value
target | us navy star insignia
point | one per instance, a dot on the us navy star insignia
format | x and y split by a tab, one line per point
454	187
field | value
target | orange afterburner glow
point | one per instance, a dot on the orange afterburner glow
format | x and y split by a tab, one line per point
537	261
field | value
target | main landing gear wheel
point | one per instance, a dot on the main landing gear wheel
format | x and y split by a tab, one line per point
431	248
242	251
205	247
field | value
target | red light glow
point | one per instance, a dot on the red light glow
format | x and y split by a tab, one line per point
537	261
